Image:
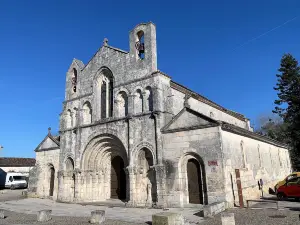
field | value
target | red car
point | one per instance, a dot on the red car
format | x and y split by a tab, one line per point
291	189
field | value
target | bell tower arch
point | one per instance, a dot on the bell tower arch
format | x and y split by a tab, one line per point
143	45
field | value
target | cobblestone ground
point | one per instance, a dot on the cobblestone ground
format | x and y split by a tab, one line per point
14	218
259	217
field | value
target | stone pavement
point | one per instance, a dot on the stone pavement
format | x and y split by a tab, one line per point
135	215
259	217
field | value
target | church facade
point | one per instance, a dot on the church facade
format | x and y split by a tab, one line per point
128	132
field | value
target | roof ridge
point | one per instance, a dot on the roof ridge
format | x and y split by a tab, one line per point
207	101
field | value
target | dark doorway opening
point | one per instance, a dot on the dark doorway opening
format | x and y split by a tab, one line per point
194	182
52	176
118	179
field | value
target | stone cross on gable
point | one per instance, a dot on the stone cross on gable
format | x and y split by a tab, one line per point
105	42
186	100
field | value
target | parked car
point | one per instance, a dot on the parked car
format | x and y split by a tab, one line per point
15	180
283	182
291	189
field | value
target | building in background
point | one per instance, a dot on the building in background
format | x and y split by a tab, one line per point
18	165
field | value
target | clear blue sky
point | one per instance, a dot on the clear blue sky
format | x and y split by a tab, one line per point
227	51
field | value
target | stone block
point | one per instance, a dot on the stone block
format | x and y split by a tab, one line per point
213	209
2	216
97	216
25	194
167	218
227	219
44	215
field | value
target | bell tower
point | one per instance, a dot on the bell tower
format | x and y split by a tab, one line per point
143	45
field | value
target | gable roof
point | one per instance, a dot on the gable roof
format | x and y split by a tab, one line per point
205	100
189	119
246	133
53	142
104	46
16	162
79	63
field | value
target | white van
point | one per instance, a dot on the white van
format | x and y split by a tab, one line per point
15	180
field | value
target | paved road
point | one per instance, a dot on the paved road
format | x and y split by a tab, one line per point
8	195
131	215
23	211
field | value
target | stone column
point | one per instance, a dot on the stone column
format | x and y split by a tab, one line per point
145	102
158	99
131	187
160	174
97	101
131	110
107	98
77	185
116	108
60	185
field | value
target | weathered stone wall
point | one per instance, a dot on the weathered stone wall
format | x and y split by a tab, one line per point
255	160
205	109
204	143
45	160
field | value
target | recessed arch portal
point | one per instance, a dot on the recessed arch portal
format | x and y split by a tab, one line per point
51	179
147	177
193	179
105	154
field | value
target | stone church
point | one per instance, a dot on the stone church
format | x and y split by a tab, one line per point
129	132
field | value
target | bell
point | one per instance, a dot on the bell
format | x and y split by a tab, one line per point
142	48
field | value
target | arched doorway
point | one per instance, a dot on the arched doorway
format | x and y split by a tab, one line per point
118	179
194	182
147	188
52	177
192	179
69	179
105	159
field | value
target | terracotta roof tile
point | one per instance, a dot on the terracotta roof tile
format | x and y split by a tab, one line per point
16	162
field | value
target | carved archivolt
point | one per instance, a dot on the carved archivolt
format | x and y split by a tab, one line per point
138	147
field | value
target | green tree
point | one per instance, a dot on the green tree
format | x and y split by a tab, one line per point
273	127
288	103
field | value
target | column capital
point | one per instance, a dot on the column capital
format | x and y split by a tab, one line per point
131	170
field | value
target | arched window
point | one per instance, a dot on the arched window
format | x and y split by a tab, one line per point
69	164
279	158
140	44
259	156
68	119
271	159
149	98
103	95
138	101
74	117
87	113
211	114
244	161
122	104
74	80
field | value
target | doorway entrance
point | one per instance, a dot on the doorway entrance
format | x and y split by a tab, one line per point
52	177
118	179
195	185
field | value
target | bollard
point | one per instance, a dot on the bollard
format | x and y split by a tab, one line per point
24	193
227	219
44	215
97	216
2	214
